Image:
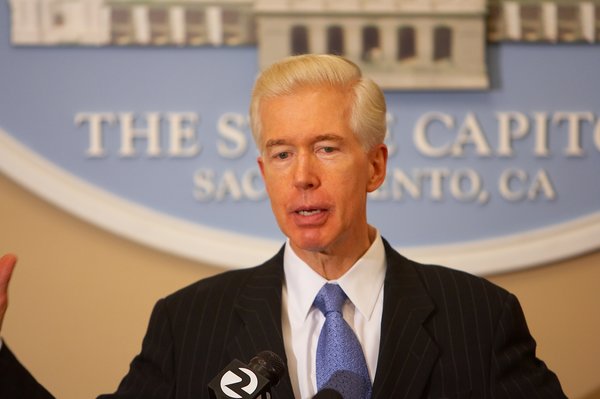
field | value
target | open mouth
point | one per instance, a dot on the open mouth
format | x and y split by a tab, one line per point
308	212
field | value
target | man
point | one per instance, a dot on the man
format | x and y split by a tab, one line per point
422	331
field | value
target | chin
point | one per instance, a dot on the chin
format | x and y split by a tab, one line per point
312	244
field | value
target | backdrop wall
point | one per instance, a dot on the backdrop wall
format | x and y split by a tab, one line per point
81	299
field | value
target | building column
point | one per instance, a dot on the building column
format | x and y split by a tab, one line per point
587	15
512	20
44	23
549	21
247	27
177	24
141	24
317	37
424	42
389	42
353	39
25	26
214	25
104	25
97	17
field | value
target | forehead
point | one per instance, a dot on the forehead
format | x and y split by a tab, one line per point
308	111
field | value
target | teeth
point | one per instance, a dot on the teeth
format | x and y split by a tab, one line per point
308	213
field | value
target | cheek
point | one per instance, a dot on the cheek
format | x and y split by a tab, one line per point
355	191
269	179
275	189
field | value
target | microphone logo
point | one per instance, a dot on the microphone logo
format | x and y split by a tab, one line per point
248	381
241	379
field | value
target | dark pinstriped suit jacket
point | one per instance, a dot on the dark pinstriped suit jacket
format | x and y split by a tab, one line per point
445	334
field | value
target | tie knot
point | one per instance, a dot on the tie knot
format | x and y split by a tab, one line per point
330	298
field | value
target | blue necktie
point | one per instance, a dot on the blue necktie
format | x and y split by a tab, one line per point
341	363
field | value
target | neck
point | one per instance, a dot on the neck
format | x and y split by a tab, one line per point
332	263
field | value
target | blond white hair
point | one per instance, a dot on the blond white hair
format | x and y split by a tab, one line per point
368	109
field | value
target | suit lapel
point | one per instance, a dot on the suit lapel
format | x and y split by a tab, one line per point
259	308
406	353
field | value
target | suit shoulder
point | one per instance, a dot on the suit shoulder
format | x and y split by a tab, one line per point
458	281
431	273
456	289
436	278
229	281
227	286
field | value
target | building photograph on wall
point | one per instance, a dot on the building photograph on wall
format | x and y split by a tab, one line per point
402	44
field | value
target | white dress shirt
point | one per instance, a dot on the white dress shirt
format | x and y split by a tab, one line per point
302	322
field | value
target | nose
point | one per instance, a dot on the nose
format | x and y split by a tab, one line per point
306	173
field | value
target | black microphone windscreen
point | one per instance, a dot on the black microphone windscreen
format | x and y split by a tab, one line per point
328	393
269	365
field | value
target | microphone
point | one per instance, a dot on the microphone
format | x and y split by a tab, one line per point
251	381
328	393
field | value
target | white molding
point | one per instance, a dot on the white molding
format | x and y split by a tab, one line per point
517	251
233	250
126	218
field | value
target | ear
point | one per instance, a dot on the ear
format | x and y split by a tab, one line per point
261	166
378	156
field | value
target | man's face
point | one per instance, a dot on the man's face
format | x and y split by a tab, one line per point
316	171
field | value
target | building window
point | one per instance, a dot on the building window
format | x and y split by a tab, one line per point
494	23
231	17
335	40
568	23
232	34
121	26
299	40
370	44
531	22
597	12
406	43
251	29
442	43
159	26
195	27
58	19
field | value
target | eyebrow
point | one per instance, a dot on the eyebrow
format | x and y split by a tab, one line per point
329	137
273	143
322	137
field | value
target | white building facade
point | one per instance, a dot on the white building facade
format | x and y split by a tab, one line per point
544	20
49	22
402	44
126	22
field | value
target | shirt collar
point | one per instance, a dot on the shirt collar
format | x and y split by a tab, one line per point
362	283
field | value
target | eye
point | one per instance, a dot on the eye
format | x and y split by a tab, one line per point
327	150
282	155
